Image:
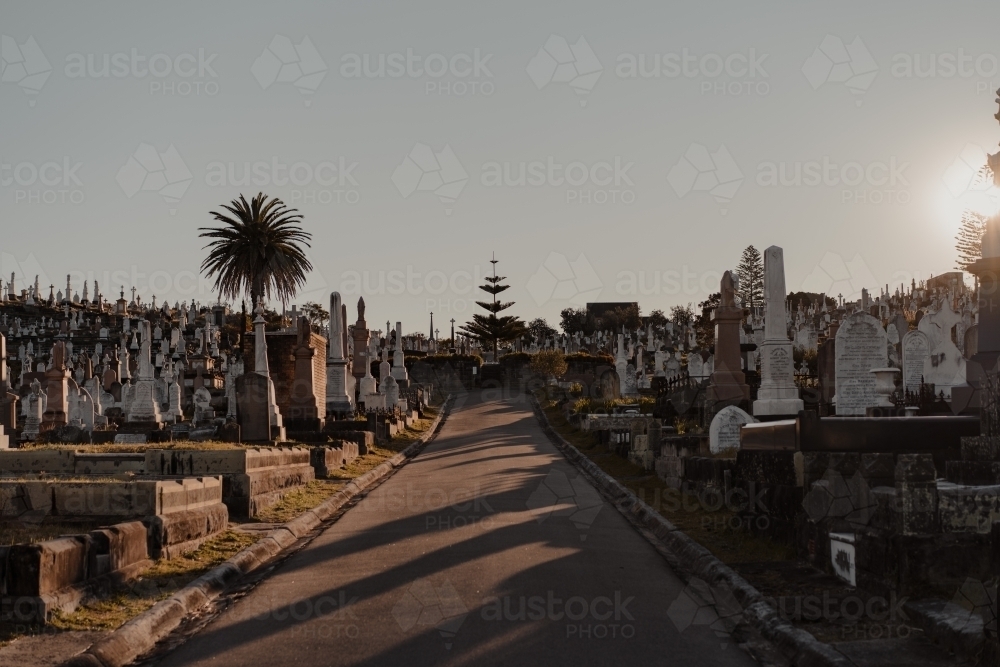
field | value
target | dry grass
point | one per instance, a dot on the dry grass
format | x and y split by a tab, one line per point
156	583
167	576
17	532
300	500
720	531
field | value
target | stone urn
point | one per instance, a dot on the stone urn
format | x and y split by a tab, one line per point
885	384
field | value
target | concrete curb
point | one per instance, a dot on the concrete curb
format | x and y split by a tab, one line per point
691	560
141	633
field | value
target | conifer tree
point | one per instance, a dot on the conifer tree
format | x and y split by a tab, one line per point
493	328
751	272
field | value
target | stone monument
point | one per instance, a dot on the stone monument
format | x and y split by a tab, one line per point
728	383
778	394
860	347
339	401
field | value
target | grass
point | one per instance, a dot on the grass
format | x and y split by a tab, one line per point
167	576
720	531
16	532
300	500
772	567
155	584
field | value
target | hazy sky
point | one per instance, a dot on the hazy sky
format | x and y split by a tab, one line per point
656	140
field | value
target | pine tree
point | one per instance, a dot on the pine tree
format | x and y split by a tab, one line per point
492	328
751	272
969	239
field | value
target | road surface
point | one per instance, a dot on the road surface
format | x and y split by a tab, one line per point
487	549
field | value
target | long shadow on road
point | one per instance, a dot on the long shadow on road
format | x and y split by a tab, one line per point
472	553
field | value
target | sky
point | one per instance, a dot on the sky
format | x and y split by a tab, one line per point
623	151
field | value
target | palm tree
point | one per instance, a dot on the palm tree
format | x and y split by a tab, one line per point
258	250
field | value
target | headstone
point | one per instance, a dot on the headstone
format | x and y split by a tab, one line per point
778	394
945	366
724	431
916	350
398	358
860	347
338	400
728	381
252	402
276	424
203	406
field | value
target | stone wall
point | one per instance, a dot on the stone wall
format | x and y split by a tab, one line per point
37	579
252	479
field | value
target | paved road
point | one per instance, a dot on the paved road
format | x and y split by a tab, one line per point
487	549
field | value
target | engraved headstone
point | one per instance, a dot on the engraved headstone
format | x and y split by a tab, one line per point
916	350
860	347
724	431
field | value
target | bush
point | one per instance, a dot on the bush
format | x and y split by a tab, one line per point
549	364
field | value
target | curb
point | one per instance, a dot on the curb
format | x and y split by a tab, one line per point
140	634
690	559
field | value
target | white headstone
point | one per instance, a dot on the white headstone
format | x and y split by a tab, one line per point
859	348
916	350
724	432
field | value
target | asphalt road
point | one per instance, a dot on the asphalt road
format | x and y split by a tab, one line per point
486	549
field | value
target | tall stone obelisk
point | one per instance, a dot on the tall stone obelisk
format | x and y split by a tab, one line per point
338	401
778	394
261	367
399	359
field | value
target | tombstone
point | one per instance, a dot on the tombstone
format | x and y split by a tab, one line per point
362	363
724	431
778	394
338	399
203	406
860	347
631	382
971	347
384	368
34	409
143	405
399	359
672	367
252	402
945	366
728	382
621	366
391	392
305	410
57	390
695	366
276	424
916	350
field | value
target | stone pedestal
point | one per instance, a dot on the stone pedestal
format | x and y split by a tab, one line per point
778	394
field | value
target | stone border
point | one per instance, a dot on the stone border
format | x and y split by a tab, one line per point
140	634
689	559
